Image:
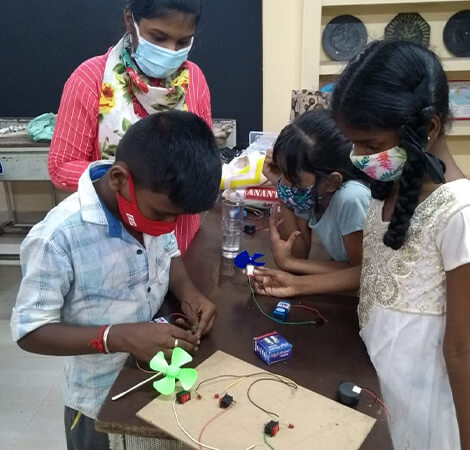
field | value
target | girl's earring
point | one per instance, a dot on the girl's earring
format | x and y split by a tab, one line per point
429	138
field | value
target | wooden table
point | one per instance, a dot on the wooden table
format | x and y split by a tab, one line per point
322	356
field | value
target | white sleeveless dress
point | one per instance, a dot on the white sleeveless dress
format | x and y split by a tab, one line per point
402	312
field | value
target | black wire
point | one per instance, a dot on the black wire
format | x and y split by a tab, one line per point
231	376
278	380
216	378
250	375
268	377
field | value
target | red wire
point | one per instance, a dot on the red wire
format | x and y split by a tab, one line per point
311	309
208	423
380	402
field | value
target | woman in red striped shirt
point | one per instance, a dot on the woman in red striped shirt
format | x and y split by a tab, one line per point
147	71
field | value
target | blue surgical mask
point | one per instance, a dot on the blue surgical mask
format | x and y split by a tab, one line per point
156	61
300	198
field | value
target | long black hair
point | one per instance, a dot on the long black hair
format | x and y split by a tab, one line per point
395	85
159	8
313	143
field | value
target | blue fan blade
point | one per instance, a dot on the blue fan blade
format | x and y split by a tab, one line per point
255	257
242	259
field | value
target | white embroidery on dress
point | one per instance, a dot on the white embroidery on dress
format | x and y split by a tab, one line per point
411	279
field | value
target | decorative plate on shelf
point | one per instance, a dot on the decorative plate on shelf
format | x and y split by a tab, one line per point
344	37
409	26
457	34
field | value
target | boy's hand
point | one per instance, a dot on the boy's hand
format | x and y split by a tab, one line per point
270	169
201	313
273	283
282	250
145	340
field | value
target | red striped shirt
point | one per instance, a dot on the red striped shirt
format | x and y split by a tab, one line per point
75	140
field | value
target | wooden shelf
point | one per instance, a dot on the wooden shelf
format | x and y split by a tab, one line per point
460	128
332	67
379	2
456	64
450	65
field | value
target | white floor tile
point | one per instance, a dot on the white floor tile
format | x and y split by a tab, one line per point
55	396
50	427
10	278
51	411
15	416
45	444
5	330
31	404
7	443
31	362
9	349
14	377
34	394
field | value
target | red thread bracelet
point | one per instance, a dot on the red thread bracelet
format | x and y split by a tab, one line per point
97	343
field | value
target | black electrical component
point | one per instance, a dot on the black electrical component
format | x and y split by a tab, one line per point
348	393
183	397
271	428
249	228
225	401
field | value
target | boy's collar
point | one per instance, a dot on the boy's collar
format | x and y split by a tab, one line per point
114	226
98	170
93	209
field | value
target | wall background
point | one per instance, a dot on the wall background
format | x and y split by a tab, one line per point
283	49
45	41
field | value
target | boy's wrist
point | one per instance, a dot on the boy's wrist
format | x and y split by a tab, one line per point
117	339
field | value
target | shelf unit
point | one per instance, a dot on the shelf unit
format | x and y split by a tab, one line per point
460	128
318	68
375	14
450	65
377	2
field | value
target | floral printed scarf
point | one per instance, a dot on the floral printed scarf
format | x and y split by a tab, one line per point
128	95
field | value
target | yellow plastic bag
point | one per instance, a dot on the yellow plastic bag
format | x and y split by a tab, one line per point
244	171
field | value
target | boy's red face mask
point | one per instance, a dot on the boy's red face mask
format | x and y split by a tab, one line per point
131	215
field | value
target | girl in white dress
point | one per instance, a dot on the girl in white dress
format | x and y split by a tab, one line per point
392	102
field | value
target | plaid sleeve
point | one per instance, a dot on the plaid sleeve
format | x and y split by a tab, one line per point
172	246
47	276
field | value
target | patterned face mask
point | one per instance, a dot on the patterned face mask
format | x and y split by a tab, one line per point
384	166
300	198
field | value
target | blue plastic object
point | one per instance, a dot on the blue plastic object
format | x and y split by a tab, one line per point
328	88
243	259
281	311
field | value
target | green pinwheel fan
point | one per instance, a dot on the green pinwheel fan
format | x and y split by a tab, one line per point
173	371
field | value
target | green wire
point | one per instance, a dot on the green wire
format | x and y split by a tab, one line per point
310	322
267	443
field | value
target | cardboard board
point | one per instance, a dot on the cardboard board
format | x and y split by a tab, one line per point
320	423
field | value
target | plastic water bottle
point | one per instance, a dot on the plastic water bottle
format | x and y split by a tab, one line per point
232	224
